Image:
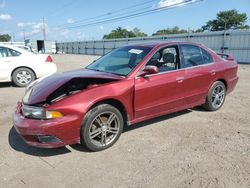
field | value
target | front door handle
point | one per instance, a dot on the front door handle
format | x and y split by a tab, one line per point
179	79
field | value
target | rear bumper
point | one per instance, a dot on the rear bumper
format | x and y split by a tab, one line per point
48	133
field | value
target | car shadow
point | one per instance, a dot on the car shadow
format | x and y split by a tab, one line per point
79	147
155	120
199	109
7	84
17	143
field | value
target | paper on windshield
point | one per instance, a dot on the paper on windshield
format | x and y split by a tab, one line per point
135	51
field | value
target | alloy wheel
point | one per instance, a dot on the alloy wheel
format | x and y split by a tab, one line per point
104	128
23	77
218	96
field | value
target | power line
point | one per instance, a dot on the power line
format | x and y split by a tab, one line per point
110	13
131	15
142	13
103	19
54	12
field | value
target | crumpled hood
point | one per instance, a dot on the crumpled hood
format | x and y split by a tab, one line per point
40	90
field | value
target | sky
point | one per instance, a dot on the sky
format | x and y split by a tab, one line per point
19	17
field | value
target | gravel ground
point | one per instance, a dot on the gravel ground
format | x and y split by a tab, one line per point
192	148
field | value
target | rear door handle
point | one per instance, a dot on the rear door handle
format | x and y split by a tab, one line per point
213	72
179	79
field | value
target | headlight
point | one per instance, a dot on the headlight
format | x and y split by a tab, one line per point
39	113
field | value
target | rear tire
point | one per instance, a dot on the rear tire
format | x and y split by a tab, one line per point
23	77
216	96
101	127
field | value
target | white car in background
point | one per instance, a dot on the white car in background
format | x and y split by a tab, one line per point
23	67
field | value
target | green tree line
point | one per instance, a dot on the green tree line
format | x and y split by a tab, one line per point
224	20
5	38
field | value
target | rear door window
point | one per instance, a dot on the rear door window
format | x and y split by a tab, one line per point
14	53
207	58
191	56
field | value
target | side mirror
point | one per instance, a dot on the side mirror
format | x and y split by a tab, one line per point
150	69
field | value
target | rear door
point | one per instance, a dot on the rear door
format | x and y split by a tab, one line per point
200	71
5	64
9	59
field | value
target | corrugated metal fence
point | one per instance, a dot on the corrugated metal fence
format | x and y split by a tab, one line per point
235	42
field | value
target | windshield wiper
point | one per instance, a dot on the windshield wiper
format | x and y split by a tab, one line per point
98	70
94	69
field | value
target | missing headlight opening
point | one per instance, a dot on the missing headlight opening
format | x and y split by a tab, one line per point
73	86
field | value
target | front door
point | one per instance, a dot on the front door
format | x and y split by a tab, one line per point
160	93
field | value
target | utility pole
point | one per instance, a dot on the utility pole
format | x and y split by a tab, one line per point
224	36
44	29
24	37
44	34
189	34
13	38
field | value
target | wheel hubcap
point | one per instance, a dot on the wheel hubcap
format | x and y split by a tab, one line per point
104	129
23	77
218	96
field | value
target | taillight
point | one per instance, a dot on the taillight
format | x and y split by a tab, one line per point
49	59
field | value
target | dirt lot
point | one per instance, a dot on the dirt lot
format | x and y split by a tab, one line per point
192	148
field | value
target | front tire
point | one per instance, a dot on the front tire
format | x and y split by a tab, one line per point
23	77
101	127
216	96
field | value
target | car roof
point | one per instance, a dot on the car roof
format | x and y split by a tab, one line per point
14	48
153	43
9	46
6	45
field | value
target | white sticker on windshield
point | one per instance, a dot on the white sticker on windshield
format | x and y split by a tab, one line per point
135	51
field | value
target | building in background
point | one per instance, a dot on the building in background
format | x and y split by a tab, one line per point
39	46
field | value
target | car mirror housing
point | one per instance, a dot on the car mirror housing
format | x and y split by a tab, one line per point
150	69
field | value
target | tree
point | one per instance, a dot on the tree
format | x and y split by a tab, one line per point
5	38
119	33
169	31
197	30
230	19
138	32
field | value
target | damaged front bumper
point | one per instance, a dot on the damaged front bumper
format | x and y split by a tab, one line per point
47	133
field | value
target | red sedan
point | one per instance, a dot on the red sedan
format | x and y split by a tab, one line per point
128	85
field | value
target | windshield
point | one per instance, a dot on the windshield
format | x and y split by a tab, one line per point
120	61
